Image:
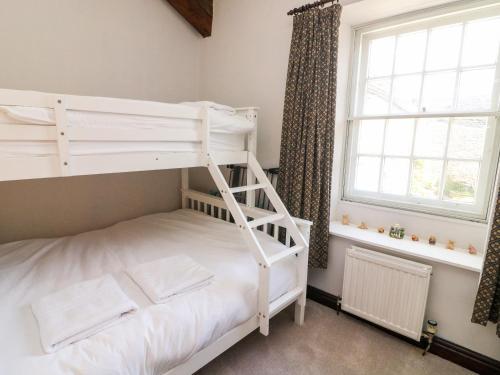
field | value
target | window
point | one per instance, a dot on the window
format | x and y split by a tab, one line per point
424	116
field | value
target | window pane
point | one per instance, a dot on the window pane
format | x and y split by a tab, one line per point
406	93
410	52
481	42
399	137
426	178
371	135
467	136
380	58
475	89
395	175
377	96
439	90
461	181
430	137
367	173
444	46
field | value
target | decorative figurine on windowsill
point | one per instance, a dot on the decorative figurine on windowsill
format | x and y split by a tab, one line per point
397	232
432	240
472	250
414	237
381	229
345	219
363	225
450	245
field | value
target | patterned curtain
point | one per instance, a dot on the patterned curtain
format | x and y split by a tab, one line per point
306	153
487	306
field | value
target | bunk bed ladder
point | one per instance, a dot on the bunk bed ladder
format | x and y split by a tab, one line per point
281	217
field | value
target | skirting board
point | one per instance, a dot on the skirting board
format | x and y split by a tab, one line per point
443	348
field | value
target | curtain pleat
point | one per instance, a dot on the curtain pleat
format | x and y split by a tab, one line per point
487	305
306	153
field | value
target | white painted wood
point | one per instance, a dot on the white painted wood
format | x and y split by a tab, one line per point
427	115
248	211
131	107
264	312
205	132
280	303
295	250
184	187
246	227
138	135
437	253
234	208
264	220
275	199
367	281
62	136
29	167
247	188
205	355
15	132
229	157
252	149
23	168
66	164
129	162
26	98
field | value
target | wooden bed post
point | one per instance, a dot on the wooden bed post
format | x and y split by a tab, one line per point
184	187
303	259
62	135
252	147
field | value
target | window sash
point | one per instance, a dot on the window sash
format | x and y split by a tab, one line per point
471	211
438	16
362	36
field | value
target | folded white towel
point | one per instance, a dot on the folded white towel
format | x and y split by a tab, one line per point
215	106
167	277
80	311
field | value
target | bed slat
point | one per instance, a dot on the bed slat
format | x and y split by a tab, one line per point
15	132
137	135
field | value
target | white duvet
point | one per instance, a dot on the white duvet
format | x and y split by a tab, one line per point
157	337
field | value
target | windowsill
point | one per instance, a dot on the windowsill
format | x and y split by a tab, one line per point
407	212
459	258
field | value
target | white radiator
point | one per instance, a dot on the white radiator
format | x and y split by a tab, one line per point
386	290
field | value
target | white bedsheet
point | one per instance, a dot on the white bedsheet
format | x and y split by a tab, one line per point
157	337
227	131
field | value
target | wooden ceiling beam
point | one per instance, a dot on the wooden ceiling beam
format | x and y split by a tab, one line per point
198	13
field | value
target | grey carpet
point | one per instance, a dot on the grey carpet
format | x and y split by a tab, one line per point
326	344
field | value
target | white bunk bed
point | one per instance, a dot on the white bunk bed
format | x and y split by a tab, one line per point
49	135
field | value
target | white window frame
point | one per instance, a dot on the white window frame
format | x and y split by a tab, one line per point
461	11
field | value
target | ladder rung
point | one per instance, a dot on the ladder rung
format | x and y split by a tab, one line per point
283	254
265	220
247	188
280	303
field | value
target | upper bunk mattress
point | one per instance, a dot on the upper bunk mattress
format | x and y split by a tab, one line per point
157	337
227	131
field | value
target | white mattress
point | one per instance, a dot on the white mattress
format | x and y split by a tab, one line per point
227	132
158	337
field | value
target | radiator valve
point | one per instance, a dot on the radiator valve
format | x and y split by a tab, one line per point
429	333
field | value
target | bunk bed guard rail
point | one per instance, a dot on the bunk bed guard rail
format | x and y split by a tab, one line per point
64	162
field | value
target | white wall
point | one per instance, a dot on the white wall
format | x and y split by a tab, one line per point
119	48
245	63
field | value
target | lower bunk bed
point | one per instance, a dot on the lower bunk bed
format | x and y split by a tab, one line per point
176	337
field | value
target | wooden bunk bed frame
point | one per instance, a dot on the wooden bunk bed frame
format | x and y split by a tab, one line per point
246	217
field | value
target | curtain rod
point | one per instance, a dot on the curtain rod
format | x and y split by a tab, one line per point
316	4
